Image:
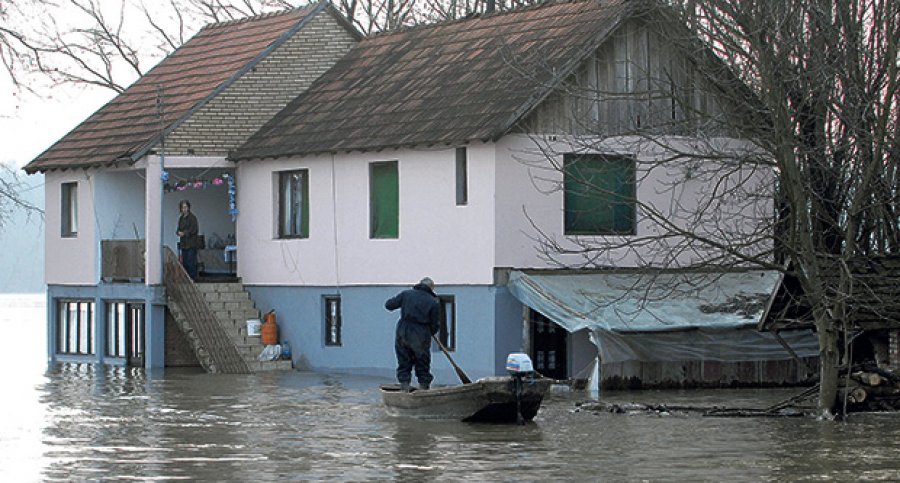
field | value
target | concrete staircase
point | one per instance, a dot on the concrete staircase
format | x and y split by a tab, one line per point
232	307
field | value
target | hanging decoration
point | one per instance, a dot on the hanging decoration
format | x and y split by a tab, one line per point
232	191
202	183
194	183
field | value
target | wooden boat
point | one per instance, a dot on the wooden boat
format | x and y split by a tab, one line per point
489	399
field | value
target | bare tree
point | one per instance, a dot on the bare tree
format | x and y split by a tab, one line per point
812	89
11	199
104	44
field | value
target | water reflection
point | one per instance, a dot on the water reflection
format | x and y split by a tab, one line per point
94	423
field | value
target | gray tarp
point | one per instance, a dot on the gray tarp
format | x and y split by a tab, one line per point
666	316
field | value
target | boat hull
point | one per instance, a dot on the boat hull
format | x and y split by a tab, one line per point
490	399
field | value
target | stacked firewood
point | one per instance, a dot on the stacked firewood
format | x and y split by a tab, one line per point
869	388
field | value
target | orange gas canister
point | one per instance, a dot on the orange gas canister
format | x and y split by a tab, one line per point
269	329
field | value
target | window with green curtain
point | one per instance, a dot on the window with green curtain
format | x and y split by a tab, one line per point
599	194
384	200
293	204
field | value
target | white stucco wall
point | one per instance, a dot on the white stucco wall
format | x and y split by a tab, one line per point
119	198
452	244
515	200
529	183
70	260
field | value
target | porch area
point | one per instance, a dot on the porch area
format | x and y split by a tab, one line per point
205	320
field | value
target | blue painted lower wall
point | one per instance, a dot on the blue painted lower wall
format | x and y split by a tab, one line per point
488	327
153	298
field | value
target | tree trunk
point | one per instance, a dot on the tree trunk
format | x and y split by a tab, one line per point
829	362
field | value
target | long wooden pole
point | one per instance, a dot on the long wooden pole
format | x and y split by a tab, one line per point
459	372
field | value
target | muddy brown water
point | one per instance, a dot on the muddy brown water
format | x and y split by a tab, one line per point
82	422
78	422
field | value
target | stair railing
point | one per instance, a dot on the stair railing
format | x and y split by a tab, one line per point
221	354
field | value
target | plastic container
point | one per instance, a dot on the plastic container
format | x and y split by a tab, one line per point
285	350
253	326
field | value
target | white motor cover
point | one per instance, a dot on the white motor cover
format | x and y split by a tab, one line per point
519	362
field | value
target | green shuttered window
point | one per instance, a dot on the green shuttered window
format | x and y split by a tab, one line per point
599	195
384	200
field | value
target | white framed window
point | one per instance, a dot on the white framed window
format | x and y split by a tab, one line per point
293	204
69	210
462	177
447	333
75	327
333	323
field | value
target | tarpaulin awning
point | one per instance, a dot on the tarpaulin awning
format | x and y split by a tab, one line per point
665	316
640	302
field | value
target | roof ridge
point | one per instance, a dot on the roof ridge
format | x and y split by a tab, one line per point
253	18
478	15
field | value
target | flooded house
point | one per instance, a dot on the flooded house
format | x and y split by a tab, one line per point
330	170
114	182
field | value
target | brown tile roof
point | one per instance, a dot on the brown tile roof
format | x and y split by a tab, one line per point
872	300
446	83
127	127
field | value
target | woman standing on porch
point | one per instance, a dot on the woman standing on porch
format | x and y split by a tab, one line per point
188	239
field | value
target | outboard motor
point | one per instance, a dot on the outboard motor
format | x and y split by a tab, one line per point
519	364
519	367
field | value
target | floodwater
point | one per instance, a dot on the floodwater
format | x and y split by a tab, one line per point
81	422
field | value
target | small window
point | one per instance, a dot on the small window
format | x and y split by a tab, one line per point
69	210
75	327
384	200
462	182
447	332
599	195
333	320
293	204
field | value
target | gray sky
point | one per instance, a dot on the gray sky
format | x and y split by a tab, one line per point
28	126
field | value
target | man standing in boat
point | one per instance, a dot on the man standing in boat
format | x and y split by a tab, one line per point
419	321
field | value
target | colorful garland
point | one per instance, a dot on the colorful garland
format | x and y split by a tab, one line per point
198	183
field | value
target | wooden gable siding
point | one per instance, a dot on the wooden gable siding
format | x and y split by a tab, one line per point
625	87
231	117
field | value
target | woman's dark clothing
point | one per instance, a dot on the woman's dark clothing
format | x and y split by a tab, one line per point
189	242
419	320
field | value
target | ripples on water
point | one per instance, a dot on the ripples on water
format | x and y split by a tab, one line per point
114	423
83	422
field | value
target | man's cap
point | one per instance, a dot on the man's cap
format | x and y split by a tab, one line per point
427	281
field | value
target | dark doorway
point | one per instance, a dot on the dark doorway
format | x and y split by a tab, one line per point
136	335
549	342
125	332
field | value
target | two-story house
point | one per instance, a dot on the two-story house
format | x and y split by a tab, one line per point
455	151
114	182
460	151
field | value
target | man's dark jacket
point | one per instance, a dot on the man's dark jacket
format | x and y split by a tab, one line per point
419	306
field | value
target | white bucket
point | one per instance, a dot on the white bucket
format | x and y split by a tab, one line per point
253	328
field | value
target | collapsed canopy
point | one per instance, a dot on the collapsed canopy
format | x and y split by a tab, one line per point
670	316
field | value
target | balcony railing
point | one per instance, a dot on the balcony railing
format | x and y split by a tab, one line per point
122	260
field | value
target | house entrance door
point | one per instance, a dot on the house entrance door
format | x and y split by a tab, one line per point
125	332
549	342
135	335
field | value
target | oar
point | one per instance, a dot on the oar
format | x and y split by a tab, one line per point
459	372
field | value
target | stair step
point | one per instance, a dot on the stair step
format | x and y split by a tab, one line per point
279	365
232	307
